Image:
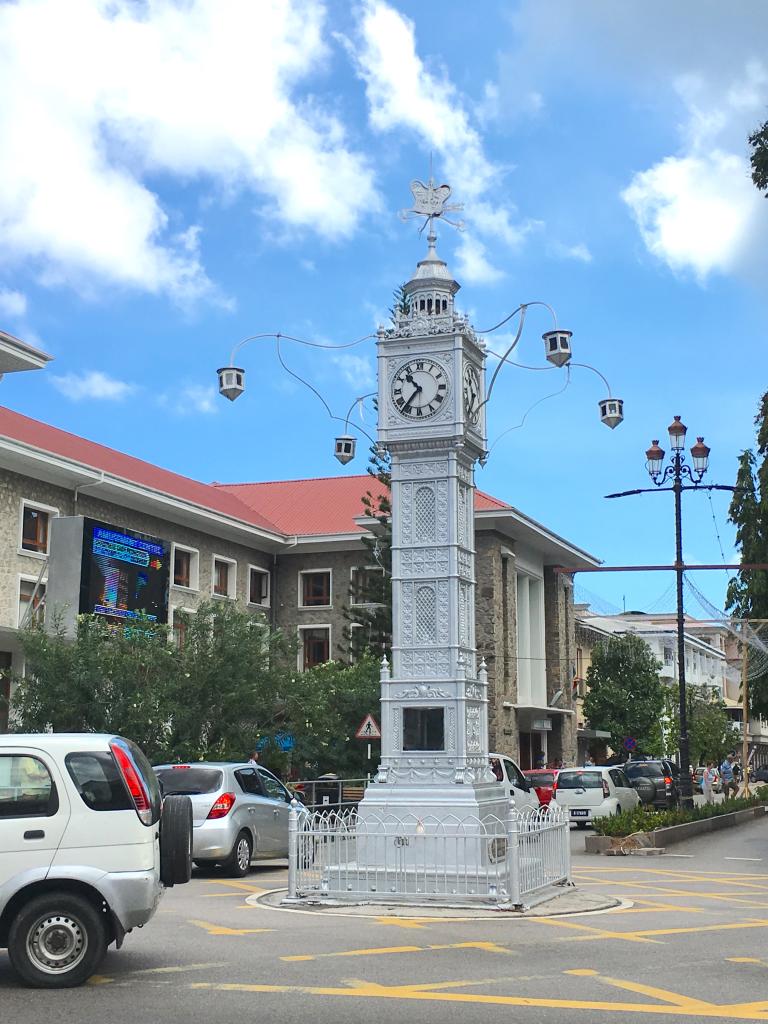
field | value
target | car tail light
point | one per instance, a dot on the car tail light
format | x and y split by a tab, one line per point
134	782
222	807
606	791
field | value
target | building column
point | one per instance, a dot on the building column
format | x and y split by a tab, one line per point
560	646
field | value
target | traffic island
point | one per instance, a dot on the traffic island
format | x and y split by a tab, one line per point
660	838
570	901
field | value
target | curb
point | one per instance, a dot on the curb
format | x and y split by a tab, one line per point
656	842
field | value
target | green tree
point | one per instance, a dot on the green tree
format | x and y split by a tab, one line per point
323	709
758	142
118	680
747	596
711	732
230	687
369	617
626	696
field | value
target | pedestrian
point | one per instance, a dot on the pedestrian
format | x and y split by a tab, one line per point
708	781
726	774
737	776
254	758
588	762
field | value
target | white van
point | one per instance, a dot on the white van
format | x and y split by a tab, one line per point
85	850
516	786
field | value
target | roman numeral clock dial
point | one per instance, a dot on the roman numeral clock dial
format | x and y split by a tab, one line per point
419	389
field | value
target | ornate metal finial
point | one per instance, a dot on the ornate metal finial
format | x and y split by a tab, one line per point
431	202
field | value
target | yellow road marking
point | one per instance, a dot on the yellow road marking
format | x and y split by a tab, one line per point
682	1007
662	994
745	960
488	947
651	906
582	972
733	925
404	922
99	979
592	933
219	929
233	883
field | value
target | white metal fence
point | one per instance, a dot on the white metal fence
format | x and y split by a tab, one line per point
346	856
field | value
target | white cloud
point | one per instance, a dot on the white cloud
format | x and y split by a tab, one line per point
356	370
579	252
472	263
165	89
93	385
12	303
198	398
699	210
403	93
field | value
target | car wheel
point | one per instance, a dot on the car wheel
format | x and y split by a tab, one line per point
238	864
57	940
618	808
176	840
581	824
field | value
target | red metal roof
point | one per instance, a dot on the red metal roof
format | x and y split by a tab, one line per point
97	456
316	506
321	505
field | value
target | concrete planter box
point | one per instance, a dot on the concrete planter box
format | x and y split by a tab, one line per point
663	837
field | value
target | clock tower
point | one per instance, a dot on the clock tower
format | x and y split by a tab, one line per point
431	390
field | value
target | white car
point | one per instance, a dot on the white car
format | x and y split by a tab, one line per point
85	850
594	792
516	786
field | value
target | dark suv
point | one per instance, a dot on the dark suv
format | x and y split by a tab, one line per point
665	776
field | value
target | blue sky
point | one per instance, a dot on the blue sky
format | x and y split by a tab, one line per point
179	176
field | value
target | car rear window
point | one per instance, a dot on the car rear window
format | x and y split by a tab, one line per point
98	781
540	778
190	781
579	780
644	769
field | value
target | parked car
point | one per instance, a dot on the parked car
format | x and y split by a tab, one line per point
543	781
594	792
239	812
698	785
85	850
665	776
516	786
760	774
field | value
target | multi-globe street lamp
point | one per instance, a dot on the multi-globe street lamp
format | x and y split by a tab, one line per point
676	471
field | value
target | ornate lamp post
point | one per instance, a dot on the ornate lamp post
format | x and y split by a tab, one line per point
677	470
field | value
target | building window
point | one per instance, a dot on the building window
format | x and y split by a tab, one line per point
315	589
366	585
31	600
258	586
185	567
315	645
224	577
35	524
180	623
668	656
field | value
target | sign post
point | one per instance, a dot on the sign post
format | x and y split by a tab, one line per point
368	730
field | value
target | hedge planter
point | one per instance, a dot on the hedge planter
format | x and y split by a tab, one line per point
662	837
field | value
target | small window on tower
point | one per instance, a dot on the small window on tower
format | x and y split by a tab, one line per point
423	729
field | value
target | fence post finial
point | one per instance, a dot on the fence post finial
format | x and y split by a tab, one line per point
384	674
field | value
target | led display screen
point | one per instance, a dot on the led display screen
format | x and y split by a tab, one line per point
124	574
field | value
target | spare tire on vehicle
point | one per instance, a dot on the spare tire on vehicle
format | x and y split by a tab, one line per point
176	840
645	789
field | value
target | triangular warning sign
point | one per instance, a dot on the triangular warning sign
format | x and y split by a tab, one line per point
369	729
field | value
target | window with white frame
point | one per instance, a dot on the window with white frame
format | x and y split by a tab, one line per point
35	527
314	646
365	584
186	567
31	597
258	586
669	656
315	588
224	577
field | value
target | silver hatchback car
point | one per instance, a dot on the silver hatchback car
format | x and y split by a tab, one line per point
239	811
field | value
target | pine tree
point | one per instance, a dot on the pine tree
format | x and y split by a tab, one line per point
758	140
747	596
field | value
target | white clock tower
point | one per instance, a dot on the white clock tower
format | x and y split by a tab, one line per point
431	373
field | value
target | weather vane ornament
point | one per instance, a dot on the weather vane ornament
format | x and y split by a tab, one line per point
430	201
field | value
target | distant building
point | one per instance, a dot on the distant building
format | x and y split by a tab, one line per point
292	551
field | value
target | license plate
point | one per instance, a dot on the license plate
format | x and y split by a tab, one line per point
579	814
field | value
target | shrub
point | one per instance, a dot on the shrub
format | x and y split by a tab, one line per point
644	819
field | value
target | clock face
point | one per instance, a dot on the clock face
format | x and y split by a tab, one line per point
419	388
471	389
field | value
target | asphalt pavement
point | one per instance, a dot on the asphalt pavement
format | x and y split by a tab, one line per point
686	941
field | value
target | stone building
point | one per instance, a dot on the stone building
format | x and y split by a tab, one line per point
293	551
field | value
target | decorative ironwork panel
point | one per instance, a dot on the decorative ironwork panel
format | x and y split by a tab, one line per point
474	739
443	531
424	616
431	664
424	516
421	562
